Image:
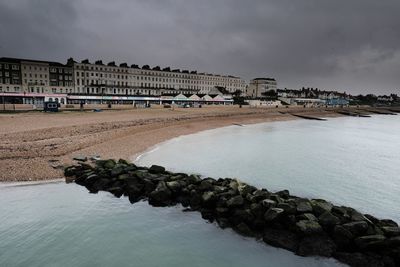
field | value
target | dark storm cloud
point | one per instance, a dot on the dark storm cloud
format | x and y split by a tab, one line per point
346	45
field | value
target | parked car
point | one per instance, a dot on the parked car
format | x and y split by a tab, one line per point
51	106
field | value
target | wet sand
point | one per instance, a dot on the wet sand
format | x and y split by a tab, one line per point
36	146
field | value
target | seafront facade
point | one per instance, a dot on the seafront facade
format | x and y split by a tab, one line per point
259	86
28	81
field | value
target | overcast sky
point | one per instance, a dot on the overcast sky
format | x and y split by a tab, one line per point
348	45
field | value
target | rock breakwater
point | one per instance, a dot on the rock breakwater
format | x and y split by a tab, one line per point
307	227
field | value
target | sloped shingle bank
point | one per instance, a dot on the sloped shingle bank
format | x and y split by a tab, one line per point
308	227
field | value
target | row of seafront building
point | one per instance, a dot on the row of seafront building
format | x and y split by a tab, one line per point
33	82
27	81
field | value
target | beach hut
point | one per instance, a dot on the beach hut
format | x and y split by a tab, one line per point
219	100
180	99
207	99
194	98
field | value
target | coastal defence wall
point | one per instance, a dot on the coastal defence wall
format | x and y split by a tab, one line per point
307	227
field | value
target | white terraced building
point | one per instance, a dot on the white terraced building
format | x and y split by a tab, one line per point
111	79
31	81
259	86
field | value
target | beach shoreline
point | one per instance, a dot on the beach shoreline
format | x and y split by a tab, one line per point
36	147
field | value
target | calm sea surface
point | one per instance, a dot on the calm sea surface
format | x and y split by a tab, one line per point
350	161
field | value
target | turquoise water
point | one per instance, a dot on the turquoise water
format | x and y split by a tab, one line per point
350	161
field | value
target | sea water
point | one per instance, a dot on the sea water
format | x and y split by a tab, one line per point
62	225
349	161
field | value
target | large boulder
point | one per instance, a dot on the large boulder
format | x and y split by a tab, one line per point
369	241
260	195
206	185
321	206
90	179
156	169
307	216
195	201
223	222
281	239
108	164
116	189
276	198
70	171
235	201
356	228
134	192
161	196
303	206
245	189
272	214
174	186
316	245
342	236
193	179
387	222
391	230
393	242
288	208
221	211
80	158
125	176
234	185
328	220
117	170
207	214
342	213
257	209
243	229
100	184
268	203
209	198
219	189
283	194
149	186
134	185
356	216
308	227
242	215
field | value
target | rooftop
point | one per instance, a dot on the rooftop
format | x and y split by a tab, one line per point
19	60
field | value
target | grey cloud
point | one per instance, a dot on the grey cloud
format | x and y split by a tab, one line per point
346	45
